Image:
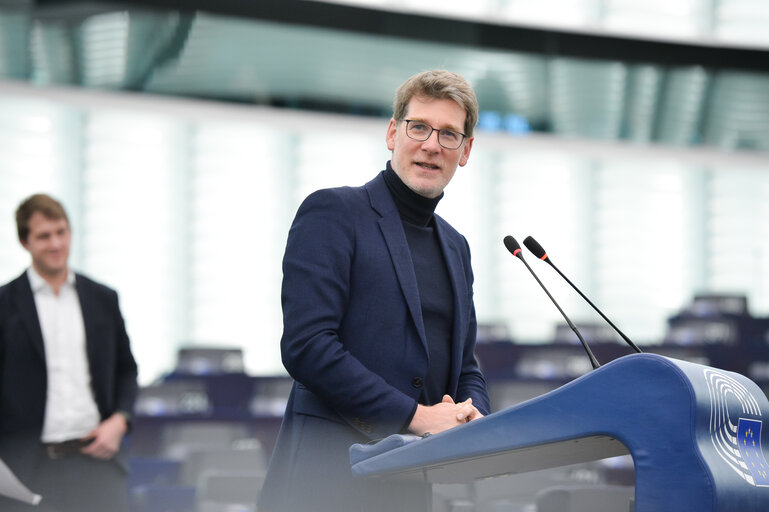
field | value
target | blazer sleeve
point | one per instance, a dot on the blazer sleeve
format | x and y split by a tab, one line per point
126	386
317	270
112	365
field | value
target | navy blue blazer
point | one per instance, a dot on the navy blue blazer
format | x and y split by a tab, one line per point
354	339
23	374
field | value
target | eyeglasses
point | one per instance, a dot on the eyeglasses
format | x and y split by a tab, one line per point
420	131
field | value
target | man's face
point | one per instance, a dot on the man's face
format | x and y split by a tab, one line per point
426	167
48	244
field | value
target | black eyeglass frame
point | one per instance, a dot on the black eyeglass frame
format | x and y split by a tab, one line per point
439	130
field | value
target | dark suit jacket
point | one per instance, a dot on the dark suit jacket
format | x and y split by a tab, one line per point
354	341
23	376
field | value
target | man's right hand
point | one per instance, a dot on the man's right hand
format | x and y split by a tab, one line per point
442	416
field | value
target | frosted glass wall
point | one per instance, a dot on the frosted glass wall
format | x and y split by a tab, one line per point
184	208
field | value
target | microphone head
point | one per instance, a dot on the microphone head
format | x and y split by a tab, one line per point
512	246
535	248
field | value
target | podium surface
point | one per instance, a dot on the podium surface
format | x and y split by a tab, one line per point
695	434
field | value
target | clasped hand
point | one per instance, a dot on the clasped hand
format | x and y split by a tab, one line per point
443	416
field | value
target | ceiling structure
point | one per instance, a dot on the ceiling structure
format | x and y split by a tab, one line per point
341	58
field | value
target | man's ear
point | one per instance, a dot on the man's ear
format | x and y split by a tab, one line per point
466	151
392	128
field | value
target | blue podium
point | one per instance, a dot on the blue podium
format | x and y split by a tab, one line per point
695	434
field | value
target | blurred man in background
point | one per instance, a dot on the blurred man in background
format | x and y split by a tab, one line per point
67	374
379	323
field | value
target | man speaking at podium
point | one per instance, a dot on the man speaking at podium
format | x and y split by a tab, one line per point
379	323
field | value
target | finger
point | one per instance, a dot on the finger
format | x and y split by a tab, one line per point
475	415
465	412
447	399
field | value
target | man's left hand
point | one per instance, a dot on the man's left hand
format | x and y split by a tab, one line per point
106	438
468	411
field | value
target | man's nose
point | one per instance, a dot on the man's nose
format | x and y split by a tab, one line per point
432	141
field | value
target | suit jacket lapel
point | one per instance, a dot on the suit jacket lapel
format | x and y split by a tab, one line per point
28	313
392	229
460	286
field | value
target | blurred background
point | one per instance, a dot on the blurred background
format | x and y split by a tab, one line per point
630	138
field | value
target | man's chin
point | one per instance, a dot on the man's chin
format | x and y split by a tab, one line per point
428	191
424	186
53	270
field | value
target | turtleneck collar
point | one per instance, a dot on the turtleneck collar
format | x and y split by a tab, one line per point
412	207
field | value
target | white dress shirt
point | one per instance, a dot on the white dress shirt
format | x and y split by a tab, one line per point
70	409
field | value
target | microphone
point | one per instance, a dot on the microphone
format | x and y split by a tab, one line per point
515	250
540	253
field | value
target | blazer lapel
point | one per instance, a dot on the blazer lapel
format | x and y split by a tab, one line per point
461	296
392	230
28	313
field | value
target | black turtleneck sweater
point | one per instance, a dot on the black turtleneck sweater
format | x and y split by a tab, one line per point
435	293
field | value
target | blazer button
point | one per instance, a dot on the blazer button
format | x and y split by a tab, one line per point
417	382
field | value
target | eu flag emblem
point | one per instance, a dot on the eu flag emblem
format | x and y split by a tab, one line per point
749	442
